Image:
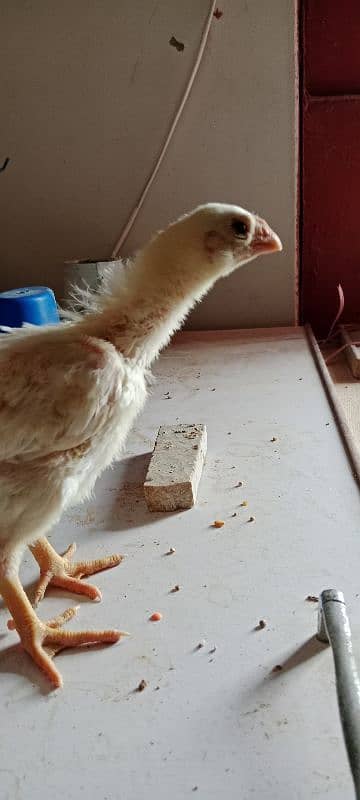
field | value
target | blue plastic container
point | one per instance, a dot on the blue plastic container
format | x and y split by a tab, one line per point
33	304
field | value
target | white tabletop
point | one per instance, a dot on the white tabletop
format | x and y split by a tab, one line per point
209	724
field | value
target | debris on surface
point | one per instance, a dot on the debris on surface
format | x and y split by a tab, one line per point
142	686
312	598
170	551
277	668
251	519
155	617
274	439
244	503
179	46
234	514
261	625
175	588
213	650
218	523
217	13
239	484
201	644
213	390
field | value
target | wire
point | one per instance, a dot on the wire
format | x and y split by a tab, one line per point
339	312
127	228
339	350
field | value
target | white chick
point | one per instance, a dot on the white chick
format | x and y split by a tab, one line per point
69	395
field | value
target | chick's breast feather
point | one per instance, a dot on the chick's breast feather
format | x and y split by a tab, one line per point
66	404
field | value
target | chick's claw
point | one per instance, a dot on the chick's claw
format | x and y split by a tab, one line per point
61	571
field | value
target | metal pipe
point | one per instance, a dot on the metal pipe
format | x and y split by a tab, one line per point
334	628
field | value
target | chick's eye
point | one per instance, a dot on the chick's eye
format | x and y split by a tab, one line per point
239	228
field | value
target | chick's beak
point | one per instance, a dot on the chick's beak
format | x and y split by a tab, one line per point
264	239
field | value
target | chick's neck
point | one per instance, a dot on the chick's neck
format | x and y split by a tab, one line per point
160	291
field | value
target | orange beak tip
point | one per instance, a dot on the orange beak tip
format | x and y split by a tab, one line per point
265	239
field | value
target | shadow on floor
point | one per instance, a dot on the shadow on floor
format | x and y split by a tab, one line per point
14	660
127	508
312	647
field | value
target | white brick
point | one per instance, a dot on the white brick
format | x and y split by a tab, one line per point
175	468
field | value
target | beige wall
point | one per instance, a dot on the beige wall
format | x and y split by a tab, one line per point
87	93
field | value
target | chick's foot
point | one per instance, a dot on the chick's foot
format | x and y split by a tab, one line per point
61	571
42	640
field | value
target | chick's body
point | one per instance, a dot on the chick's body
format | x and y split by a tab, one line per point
69	395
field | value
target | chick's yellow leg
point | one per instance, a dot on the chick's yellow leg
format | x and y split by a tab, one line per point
61	571
43	639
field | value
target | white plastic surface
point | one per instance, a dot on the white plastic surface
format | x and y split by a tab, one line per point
220	720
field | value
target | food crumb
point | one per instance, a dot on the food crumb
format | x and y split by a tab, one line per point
170	551
142	686
243	504
234	514
213	390
175	588
155	617
274	439
277	668
311	598
213	650
200	645
218	523
251	519
261	625
217	13
239	484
